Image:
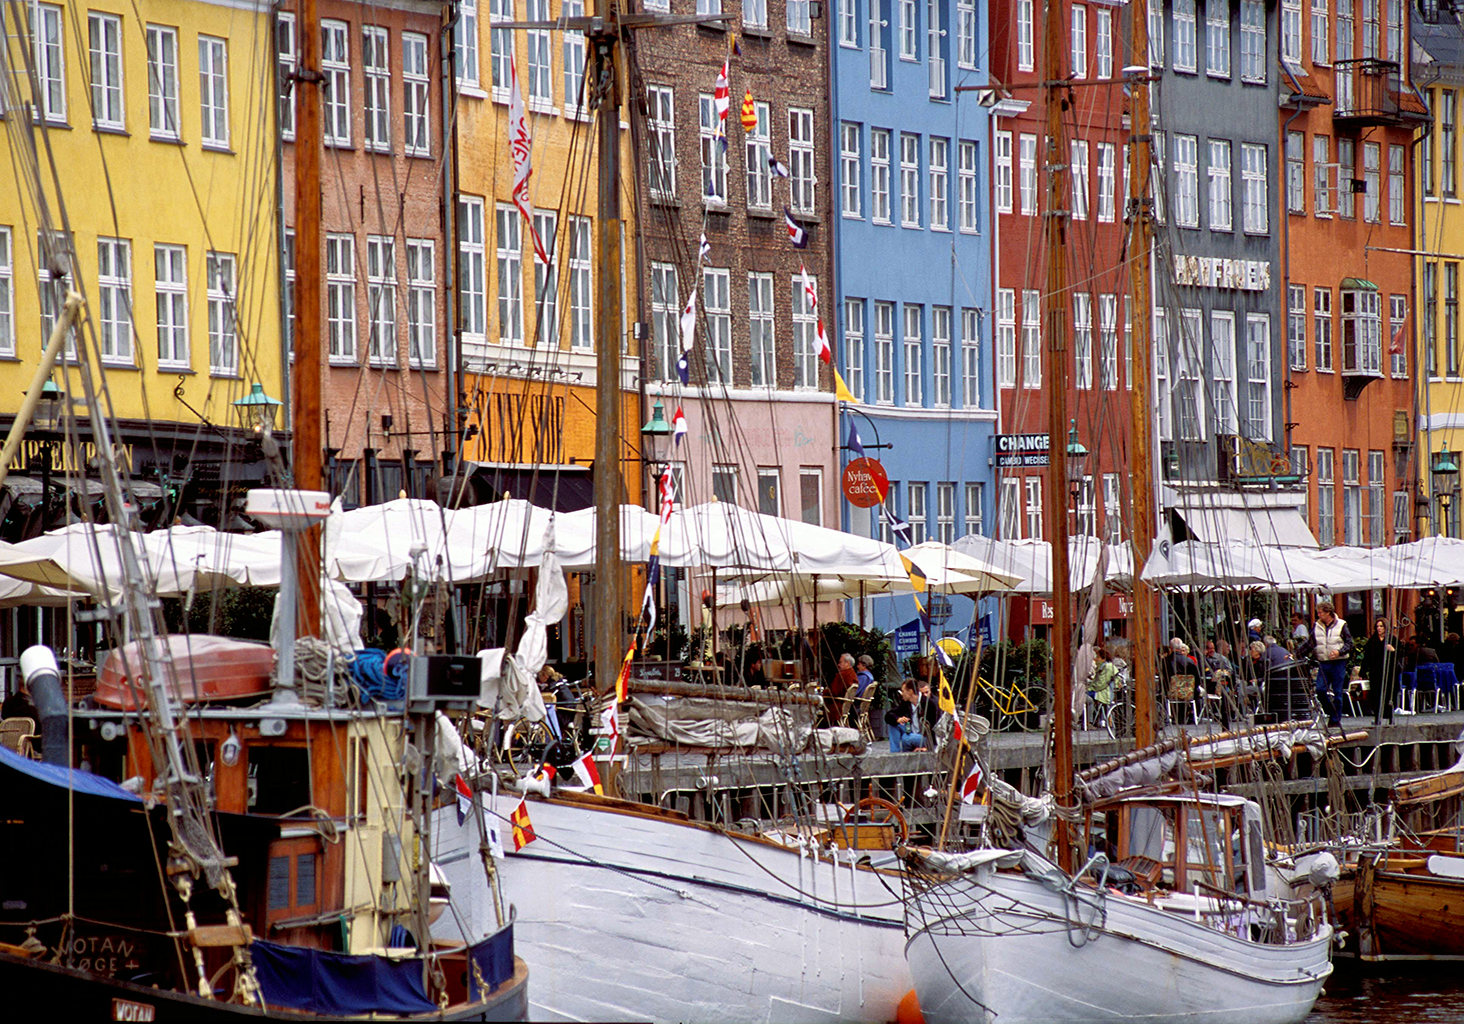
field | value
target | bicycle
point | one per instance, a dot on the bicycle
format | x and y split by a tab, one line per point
1015	706
526	743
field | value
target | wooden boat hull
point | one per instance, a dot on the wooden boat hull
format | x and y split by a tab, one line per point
36	990
1033	956
1399	915
624	914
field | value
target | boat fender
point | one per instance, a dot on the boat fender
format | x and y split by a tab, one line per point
1323	870
38	668
908	1012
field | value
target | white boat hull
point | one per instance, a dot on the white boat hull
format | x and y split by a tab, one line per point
622	916
1014	959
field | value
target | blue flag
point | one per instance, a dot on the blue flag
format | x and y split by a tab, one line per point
856	446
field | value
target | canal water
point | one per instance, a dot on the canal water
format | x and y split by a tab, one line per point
1405	997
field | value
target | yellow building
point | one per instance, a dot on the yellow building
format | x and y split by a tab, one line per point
157	119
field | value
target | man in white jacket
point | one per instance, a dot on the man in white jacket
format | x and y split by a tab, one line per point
1330	643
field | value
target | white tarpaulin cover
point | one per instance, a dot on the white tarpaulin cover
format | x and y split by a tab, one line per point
1031	561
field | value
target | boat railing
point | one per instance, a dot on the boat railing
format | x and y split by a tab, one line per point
1273	921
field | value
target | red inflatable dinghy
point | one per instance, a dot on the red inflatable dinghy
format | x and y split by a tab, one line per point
209	669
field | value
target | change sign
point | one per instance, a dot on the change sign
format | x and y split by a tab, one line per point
1019	450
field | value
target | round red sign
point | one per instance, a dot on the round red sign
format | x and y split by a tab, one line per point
865	483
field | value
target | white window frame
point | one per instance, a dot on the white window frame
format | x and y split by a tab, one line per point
501	45
114	301
335	65
581	284
810	481
1322	169
1397	189
975	510
1222	371
1031	338
909	180
465	45
1255	215
287	53
967	35
1186	181
918	510
1253	41
665	313
968	182
851	187
762	331
1258	349
1107	180
754	12
223	339
1397	319
1291	32
416	95
935	37
805	341
1006	338
104	33
573	56
1103	43
376	88
940	357
421	303
381	348
1323	329
1027	172
1034	505
661	138
713	156
1009	510
971	358
879	175
1372	176
884	353
48	55
1296	340
799	17
914	355
1321	47
7	292
854	346
848	23
939	156
546	280
162	82
1083	341
1025	54
879	54
1217	39
1296	173
1362	327
472	269
1189	376
539	59
759	148
802	173
717	302
945	512
1078	153
1078	41
213	92
1184	48
509	279
909	31
1108	342
340	299
1003	172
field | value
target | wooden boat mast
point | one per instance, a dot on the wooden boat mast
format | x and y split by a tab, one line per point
1141	448
1054	322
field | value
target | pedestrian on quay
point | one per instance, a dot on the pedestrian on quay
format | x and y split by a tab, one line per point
1330	643
1380	665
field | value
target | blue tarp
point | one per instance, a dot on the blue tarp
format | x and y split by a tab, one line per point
494	957
66	778
336	983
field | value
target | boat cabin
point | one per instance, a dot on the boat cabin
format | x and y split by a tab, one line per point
1184	842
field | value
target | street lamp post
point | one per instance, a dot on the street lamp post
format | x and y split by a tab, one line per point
656	439
45	422
1446	483
257	411
1077	458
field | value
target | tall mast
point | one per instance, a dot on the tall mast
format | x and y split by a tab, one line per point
305	394
1055	323
1141	451
608	485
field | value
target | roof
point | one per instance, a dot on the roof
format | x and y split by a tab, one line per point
1438	44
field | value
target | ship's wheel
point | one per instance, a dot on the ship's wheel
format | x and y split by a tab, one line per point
880	811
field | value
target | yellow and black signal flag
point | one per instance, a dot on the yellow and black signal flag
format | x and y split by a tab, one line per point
749	112
917	577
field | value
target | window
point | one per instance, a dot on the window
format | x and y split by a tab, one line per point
854	346
805	341
114	299
970	193
801	178
1162	397
1217	38
848	23
416	96
971	356
1296	326
223	342
975	525
909	180
105	31
1430	318
1253	184
768	498
1449	142
7	293
754	12
717	297
1296	172
724	483
940	185
1346	173
918	513
1326	498
170	276
1156	36
49	60
810	494
1003	171
1031	339
1322	327
935	64
381	299
1128	343
1009	515
1186	181
540	60
1079	156
573	54
1034	506
1222	369
1402	517
1078	39
713	155
1189	394
760	330
1027	172
546	280
1156	182
940	357
851	189
1258	376
800	18
1397	208
1320	51
1112	511
945	512
1362	326
1024	35
510	276
1291	32
909	31
1372	159
581	285
1370	28
286	48
1184	35
884	352
1253	41
1451	319
1351	497
421	302
340	297
879	175
465	44
335	65
879	57
500	47
1398	342
665	310
914	371
472	271
213	92
376	64
1083	339
1103	43
1108	342
1221	211
1107	181
661	136
1376	499
1006	338
966	35
1395	30
1322	175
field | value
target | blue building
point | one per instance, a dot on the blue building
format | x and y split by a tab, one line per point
911	263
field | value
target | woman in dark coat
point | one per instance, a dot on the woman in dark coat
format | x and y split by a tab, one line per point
1380	665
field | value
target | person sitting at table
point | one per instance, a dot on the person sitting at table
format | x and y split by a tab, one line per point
902	718
845	683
